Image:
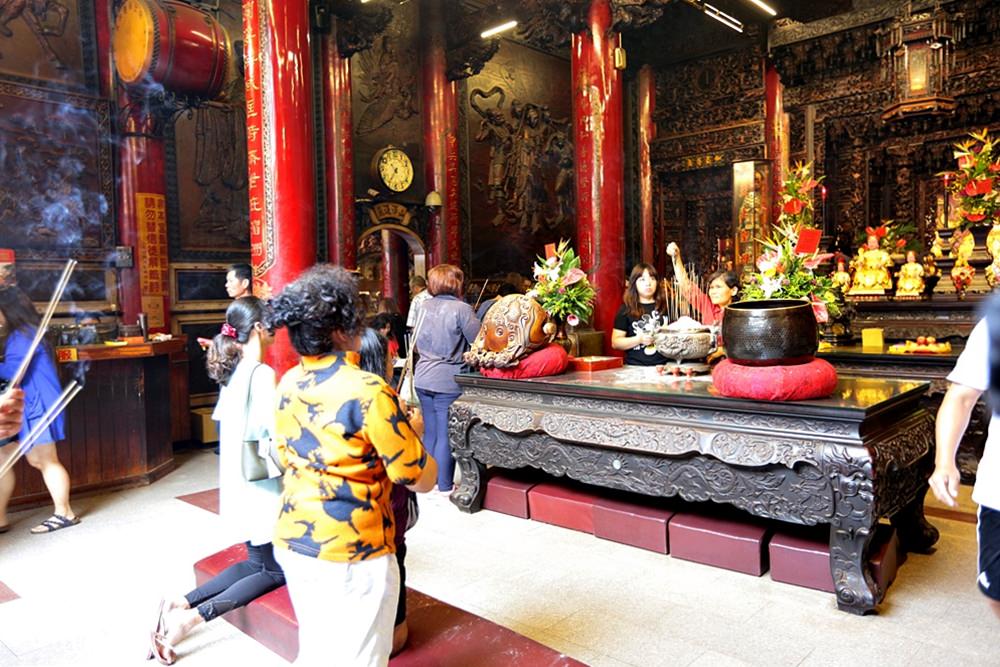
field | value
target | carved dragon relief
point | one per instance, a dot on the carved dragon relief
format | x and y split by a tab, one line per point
803	496
359	25
734	447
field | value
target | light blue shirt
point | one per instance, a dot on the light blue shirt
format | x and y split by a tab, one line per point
449	327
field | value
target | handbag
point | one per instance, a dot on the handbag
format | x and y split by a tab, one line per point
254	465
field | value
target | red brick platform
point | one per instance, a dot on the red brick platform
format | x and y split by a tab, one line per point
508	494
739	545
440	635
803	558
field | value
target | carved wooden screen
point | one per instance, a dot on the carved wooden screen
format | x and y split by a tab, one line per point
520	191
56	194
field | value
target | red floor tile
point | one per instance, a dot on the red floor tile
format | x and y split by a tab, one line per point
206	500
6	594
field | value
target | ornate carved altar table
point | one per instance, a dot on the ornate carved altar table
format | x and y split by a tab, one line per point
846	461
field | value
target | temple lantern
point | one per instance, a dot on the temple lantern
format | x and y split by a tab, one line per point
918	53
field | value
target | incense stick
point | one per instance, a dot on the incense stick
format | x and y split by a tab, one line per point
71	390
43	325
408	366
481	292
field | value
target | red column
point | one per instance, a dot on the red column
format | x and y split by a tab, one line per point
341	232
142	221
647	132
440	141
280	153
597	121
390	265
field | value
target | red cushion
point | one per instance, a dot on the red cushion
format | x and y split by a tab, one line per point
816	379
550	360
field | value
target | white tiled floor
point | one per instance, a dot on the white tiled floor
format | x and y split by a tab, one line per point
88	594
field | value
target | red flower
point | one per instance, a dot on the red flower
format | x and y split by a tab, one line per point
975	217
809	185
982	186
965	161
793	206
900	243
994	167
820	311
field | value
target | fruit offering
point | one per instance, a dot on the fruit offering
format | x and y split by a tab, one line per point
922	345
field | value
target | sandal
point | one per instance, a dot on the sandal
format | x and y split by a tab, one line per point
159	630
161	649
54	523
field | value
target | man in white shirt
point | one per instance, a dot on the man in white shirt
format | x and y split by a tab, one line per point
969	379
418	294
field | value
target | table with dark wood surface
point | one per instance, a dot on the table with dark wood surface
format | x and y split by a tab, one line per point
847	461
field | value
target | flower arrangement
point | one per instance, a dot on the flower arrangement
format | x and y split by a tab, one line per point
787	272
973	182
892	237
561	286
796	197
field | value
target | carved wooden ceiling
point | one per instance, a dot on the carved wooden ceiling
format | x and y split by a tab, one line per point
649	25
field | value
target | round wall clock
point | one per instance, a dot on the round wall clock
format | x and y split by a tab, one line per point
393	167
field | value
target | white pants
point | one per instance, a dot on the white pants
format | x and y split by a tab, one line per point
345	610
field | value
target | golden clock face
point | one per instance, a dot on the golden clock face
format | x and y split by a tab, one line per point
395	169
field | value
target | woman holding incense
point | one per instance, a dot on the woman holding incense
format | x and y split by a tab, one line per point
644	311
18	322
722	289
450	326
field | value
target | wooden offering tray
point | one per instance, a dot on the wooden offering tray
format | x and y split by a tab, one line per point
921	345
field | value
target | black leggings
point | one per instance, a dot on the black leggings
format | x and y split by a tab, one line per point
239	584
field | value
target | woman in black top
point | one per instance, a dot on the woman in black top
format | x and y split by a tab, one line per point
644	311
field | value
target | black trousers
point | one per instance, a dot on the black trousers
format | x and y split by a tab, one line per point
239	584
401	601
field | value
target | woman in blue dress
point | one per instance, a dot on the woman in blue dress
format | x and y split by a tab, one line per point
18	323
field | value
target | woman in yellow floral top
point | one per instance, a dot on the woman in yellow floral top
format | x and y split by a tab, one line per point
345	441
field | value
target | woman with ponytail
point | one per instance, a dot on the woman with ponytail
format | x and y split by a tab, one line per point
245	411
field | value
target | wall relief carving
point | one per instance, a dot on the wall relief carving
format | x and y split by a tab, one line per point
48	42
525	142
388	85
57	190
358	26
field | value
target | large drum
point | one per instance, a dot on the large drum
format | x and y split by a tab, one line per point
173	44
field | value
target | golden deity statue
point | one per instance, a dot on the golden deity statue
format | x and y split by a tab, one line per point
910	278
841	278
871	273
993	270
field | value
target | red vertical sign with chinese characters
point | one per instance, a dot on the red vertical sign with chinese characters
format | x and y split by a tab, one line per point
255	137
151	256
